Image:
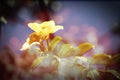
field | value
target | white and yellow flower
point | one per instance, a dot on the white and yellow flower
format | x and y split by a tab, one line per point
45	28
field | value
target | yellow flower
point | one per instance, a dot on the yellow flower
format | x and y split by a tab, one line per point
45	28
42	32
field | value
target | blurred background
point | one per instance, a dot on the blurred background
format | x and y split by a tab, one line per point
97	22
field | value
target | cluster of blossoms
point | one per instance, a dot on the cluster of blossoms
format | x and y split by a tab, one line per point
58	60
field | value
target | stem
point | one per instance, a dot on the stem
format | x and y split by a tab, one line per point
42	45
57	58
48	45
88	66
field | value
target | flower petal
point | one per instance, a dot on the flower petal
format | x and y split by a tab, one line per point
46	24
35	27
25	46
34	37
58	27
34	48
46	27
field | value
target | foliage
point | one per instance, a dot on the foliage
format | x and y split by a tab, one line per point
66	60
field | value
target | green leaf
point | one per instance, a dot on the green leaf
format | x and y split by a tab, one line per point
115	73
37	62
3	19
93	74
84	47
65	50
116	58
54	42
100	59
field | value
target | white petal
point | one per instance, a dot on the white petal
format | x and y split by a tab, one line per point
34	48
25	46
